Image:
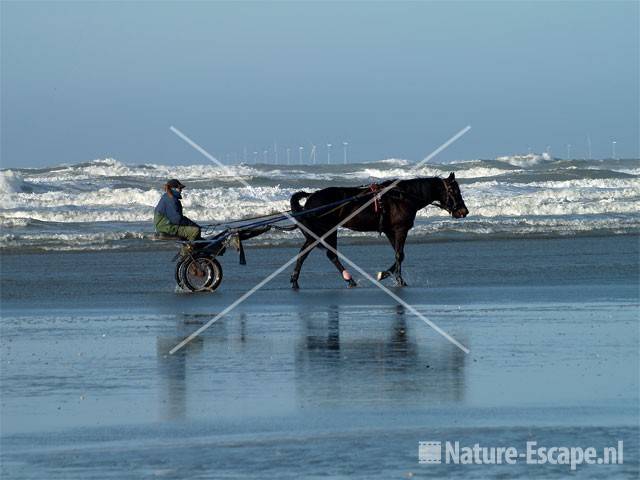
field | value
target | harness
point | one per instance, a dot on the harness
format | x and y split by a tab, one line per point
375	189
378	204
238	230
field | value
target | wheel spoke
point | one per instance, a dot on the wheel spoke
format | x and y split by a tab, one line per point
200	274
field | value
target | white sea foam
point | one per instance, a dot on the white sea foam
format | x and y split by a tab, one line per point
628	171
13	222
528	160
135	205
394	161
69	241
10	182
488	199
98	199
110	168
428	171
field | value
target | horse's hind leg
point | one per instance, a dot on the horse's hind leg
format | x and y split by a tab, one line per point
332	241
302	255
384	274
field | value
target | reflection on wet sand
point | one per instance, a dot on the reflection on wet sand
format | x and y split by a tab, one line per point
347	356
374	362
172	370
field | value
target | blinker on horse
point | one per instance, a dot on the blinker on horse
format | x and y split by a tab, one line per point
393	214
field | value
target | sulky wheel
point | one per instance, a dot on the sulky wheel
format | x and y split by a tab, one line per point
178	272
200	273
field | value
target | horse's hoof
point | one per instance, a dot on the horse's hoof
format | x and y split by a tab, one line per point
351	283
294	285
401	283
382	275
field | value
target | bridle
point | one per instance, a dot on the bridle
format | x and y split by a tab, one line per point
450	203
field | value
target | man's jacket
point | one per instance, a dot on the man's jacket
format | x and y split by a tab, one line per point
168	210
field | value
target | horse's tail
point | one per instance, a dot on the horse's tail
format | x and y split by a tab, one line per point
295	201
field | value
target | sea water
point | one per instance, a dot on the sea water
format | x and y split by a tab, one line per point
106	204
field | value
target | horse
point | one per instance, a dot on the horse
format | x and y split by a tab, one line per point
392	213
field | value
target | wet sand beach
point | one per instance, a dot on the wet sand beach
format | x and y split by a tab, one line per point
495	144
326	381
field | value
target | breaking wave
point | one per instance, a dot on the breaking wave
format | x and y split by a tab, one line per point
109	204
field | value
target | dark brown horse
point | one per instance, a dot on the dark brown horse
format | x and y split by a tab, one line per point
392	214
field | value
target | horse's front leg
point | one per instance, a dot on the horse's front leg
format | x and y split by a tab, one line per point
401	237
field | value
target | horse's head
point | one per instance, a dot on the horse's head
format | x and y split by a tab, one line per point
451	199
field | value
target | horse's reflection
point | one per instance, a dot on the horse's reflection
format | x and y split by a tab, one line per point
368	362
324	336
340	355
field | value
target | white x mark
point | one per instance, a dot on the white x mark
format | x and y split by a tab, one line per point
321	240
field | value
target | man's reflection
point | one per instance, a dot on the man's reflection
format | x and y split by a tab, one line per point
172	370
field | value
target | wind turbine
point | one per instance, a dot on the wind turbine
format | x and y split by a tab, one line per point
613	149
328	153
300	151
288	156
275	151
345	145
568	151
244	154
265	156
312	155
255	158
589	146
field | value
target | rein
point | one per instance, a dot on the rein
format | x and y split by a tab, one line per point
285	214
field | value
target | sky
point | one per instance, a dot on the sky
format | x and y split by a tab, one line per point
82	81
